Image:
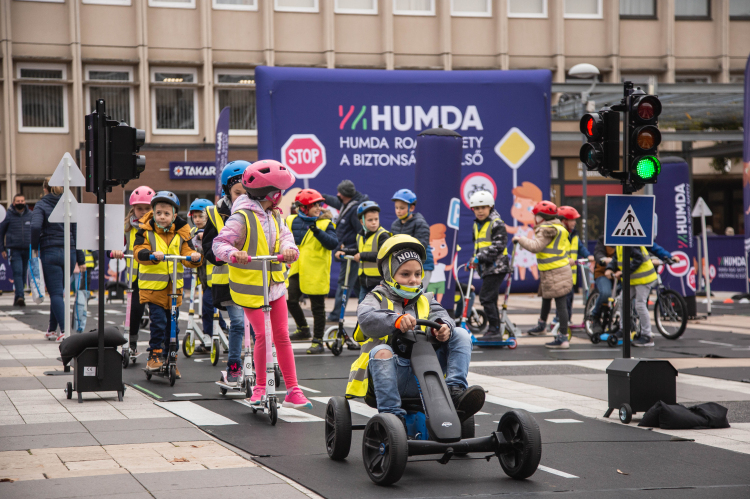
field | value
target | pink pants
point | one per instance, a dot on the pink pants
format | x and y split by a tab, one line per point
280	330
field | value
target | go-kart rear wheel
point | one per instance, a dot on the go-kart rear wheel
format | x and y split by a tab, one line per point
468	430
521	431
384	449
338	430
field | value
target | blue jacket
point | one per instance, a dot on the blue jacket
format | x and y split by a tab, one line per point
659	252
327	238
583	251
347	223
44	233
15	230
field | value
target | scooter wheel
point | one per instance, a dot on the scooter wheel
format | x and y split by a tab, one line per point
596	339
626	414
520	455
223	391
385	449
329	336
125	358
188	345
172	375
338	429
512	343
148	376
612	340
337	346
215	352
277	375
273	412
69	390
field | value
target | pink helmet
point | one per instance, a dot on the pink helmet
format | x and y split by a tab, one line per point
141	195
265	179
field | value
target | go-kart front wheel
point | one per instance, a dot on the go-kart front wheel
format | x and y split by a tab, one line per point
384	449
338	428
521	458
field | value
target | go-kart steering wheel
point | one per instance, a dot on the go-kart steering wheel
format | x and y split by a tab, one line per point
433	325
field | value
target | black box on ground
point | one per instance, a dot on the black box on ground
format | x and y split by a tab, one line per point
640	383
86	379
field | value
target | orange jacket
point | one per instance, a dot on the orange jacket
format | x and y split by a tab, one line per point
143	250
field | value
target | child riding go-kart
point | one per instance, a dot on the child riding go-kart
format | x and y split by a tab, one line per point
421	393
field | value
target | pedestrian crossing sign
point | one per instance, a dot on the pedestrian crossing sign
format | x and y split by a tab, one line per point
629	220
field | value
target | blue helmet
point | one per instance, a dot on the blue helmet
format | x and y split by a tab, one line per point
232	169
200	204
367	206
166	197
405	195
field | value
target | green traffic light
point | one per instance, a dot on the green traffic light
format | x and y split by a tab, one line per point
647	167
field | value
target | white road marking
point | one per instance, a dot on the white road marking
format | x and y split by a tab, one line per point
513	404
716	343
354	406
110	322
563	421
196	414
187	394
289	415
556	472
309	389
200	360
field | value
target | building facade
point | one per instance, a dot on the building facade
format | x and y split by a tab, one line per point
169	66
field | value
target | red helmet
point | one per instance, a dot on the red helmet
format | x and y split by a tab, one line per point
568	212
306	197
545	208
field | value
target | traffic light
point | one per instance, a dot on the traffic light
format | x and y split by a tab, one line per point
111	150
601	152
644	138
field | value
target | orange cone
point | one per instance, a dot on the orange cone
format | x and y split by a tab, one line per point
728	300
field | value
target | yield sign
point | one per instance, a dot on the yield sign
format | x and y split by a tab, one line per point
701	209
76	177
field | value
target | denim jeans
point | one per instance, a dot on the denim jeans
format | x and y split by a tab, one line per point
353	289
53	266
19	262
236	334
161	328
207	313
604	286
393	378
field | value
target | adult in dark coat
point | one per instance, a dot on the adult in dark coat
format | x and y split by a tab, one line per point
15	240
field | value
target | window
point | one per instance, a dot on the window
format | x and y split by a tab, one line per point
414	7
118	98
107	2
692	9
583	9
42	103
692	78
739	9
296	5
638	9
527	8
236	4
174	101
48	1
471	8
236	88
356	7
174	4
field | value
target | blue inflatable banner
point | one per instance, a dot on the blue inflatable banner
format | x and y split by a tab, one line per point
726	263
328	125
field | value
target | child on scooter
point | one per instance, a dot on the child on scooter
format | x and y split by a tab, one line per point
392	306
491	256
551	246
162	233
255	229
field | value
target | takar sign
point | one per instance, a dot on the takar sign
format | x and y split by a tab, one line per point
192	170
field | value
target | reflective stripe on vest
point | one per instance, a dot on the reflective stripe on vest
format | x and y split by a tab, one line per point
555	255
132	262
314	263
483	236
156	277
358	375
89	259
645	273
365	246
246	281
574	255
218	274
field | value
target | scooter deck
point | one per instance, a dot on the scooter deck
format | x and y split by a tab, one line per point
496	343
238	387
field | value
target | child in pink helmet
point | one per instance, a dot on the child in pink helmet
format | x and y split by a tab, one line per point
255	228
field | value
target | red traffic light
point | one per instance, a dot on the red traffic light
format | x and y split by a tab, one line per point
591	125
647	108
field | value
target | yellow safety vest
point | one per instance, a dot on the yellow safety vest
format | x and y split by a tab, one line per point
217	274
555	255
209	265
483	236
246	281
358	375
367	245
645	273
132	262
314	262
89	259
574	255
156	277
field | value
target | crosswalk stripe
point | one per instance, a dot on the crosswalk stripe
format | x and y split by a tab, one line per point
196	414
556	472
308	389
354	406
289	415
563	421
514	404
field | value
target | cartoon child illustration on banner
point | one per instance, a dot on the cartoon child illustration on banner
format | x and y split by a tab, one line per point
525	196
439	251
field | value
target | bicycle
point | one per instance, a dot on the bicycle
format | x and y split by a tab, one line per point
610	318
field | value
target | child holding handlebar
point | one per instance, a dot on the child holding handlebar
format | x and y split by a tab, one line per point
162	233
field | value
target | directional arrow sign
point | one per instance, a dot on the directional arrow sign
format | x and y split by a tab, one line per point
58	214
76	177
701	209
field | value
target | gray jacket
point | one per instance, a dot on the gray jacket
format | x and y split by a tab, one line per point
376	322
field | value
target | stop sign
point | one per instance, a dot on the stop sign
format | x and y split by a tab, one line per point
304	154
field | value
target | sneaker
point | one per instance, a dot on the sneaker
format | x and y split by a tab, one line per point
596	325
316	347
539	329
234	373
492	334
352	345
154	360
201	349
60	337
51	335
301	334
558	344
295	399
643	341
258	392
467	402
331	318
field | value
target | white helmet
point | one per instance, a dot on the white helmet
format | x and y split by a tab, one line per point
481	198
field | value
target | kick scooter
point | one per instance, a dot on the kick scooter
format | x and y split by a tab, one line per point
169	368
335	336
129	355
507	327
555	327
194	327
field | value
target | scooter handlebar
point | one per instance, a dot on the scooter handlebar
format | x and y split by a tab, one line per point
169	257
348	257
278	258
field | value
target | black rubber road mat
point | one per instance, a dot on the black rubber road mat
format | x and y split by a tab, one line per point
728	373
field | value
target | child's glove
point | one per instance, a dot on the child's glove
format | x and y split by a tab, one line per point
314	228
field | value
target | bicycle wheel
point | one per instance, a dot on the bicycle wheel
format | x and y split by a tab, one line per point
670	314
588	322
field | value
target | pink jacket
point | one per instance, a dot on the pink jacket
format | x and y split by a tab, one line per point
232	237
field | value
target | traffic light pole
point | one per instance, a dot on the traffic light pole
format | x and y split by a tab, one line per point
625	263
101	200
